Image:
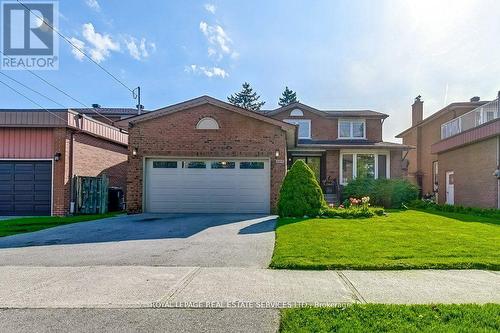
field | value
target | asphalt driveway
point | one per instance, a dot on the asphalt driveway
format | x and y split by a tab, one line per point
206	240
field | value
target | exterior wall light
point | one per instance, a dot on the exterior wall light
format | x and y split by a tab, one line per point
134	151
277	153
57	156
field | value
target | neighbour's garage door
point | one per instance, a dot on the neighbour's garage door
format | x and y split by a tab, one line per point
207	186
25	188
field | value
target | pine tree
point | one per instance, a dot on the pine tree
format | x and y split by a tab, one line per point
246	98
288	97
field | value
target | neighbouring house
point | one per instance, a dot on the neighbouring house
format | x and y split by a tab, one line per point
205	155
457	152
41	150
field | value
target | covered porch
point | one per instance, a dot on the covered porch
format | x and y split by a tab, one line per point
334	168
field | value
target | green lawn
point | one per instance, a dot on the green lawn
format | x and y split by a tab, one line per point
393	318
29	224
402	240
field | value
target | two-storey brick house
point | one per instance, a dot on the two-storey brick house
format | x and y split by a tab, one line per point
205	155
340	145
457	152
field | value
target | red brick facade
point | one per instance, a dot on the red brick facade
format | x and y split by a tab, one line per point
323	128
175	134
475	184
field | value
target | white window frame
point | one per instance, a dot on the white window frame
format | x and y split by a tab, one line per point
297	113
354	154
351	120
297	121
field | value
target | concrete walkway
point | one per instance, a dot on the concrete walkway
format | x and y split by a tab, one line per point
230	287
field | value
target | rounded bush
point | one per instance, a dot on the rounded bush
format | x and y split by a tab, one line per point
300	193
388	193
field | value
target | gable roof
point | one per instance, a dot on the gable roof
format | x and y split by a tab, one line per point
328	113
206	100
443	111
202	100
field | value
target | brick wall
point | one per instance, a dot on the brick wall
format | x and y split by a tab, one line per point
473	166
423	137
323	128
94	157
91	157
396	171
332	164
175	135
61	188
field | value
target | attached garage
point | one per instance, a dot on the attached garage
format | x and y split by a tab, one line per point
206	156
25	188
195	185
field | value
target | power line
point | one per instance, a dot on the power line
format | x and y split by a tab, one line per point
76	47
33	90
32	101
61	91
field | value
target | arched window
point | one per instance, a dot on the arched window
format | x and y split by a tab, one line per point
297	113
207	123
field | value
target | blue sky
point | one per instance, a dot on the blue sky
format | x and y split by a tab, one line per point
334	54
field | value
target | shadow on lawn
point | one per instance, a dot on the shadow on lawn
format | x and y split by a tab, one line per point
461	217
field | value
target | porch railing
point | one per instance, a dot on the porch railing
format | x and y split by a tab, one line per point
471	119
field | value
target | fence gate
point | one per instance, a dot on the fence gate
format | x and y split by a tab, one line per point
90	194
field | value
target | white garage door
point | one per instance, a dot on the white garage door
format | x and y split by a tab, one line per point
207	186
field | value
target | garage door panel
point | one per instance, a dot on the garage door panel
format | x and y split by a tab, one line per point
25	187
207	190
5	177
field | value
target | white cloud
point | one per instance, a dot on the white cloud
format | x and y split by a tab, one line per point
207	71
210	8
139	49
80	45
101	45
93	4
218	39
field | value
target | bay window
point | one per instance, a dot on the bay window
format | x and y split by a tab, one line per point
352	129
364	165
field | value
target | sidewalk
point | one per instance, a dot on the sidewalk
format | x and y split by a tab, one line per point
230	287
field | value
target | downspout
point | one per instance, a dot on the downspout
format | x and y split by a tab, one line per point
79	119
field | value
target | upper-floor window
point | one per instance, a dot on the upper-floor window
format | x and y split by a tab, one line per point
352	129
304	127
297	113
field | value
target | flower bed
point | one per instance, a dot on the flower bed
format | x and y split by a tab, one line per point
353	208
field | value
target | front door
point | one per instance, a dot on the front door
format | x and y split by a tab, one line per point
450	187
314	162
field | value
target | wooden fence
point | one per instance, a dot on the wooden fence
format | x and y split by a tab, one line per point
90	194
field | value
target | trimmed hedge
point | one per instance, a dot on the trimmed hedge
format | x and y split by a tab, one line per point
431	205
300	193
388	193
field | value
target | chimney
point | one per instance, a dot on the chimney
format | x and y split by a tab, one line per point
417	111
475	99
